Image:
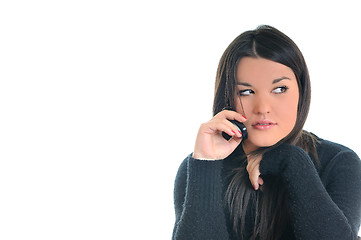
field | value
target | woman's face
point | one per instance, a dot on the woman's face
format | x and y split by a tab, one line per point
269	94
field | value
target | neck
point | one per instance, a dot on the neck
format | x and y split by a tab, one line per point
248	147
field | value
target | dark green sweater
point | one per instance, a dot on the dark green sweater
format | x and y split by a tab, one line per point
325	202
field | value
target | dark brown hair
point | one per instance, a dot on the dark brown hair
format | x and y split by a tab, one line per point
269	43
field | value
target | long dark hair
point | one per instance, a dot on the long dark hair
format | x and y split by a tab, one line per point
269	43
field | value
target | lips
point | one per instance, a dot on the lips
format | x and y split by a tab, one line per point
263	124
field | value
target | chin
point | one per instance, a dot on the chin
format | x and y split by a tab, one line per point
266	144
263	142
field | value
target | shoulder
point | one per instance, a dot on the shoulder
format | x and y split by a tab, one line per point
335	156
328	150
182	170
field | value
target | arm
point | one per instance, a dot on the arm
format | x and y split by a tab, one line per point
198	201
327	208
198	190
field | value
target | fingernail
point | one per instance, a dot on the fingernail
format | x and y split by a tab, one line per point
244	117
233	131
240	132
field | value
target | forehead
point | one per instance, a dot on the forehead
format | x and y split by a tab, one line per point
261	70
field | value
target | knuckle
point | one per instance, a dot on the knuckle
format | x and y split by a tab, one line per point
203	125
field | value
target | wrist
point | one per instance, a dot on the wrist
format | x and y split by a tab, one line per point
275	160
198	156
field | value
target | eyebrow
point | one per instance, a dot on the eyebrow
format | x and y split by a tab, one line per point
273	82
280	79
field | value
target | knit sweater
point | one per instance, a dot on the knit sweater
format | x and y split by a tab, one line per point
324	201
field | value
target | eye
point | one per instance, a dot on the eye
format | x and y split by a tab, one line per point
245	92
280	90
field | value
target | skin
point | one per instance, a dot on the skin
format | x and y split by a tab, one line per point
268	91
266	102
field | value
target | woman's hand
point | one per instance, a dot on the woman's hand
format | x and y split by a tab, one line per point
210	144
253	171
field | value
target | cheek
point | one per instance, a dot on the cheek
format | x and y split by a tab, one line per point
288	113
284	109
239	105
243	106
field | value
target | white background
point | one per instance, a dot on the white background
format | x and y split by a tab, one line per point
100	101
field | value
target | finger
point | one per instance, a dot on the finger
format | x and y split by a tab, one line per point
234	128
226	116
222	125
250	167
236	140
215	126
252	163
227	127
254	181
233	115
254	173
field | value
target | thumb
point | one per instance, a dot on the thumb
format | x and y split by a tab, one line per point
235	140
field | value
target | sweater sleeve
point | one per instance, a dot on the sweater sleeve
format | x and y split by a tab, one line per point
327	207
198	201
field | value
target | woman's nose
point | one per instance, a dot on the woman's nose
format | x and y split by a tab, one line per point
261	105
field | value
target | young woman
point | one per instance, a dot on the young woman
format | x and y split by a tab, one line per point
281	182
